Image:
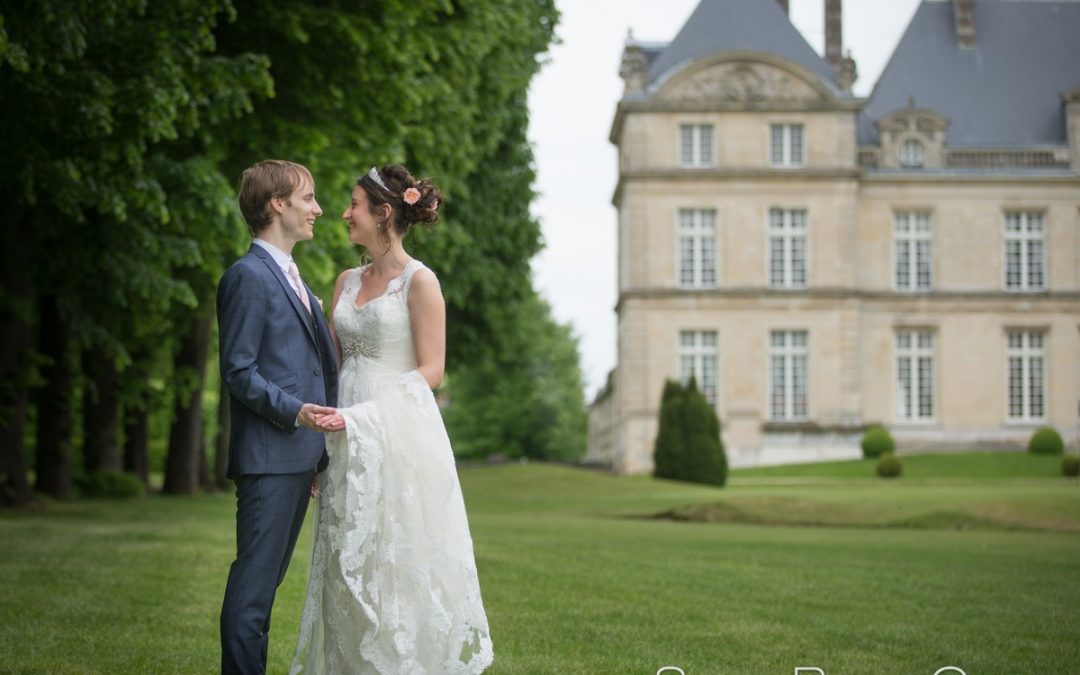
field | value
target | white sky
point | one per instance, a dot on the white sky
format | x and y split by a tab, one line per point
572	103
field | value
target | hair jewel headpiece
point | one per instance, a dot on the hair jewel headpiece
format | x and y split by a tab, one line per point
374	175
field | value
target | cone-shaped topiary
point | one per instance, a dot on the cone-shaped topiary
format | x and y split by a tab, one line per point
668	436
1046	441
876	442
688	445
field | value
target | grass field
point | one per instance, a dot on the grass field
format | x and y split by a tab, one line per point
970	561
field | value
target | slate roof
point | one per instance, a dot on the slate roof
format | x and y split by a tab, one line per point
1006	92
738	25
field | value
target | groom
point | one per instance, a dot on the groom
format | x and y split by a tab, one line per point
280	366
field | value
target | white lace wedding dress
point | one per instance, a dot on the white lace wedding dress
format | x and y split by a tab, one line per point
393	585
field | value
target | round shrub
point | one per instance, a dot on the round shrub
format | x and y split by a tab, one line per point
110	484
1070	465
889	466
1046	441
876	442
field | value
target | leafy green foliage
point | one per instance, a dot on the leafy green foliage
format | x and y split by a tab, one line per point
688	445
110	484
1046	441
876	442
888	466
1070	466
525	401
128	123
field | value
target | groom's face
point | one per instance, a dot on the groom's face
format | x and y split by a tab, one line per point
300	212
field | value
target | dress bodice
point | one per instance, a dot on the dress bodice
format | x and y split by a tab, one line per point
376	338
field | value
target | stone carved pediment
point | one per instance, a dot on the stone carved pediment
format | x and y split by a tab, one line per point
741	82
906	119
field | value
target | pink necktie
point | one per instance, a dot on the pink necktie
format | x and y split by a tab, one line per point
298	286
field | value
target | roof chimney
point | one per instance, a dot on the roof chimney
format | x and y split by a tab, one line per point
964	20
833	32
783	5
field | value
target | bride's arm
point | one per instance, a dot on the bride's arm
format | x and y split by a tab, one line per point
333	303
427	316
334	421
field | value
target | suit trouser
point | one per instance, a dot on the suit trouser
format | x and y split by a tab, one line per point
270	510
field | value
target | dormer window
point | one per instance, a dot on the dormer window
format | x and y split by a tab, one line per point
912	138
912	154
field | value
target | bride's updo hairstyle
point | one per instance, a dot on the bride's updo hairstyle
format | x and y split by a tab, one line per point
413	201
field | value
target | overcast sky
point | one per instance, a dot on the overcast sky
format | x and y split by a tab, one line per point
572	102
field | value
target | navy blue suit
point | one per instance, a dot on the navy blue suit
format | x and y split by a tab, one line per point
275	357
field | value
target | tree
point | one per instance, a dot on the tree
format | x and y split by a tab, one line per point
89	104
688	445
525	401
126	126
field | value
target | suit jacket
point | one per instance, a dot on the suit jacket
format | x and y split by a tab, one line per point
274	358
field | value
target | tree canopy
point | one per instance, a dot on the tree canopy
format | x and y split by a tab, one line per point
127	124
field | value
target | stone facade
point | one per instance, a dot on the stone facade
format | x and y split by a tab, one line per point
846	305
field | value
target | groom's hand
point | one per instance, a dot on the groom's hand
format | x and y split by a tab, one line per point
310	414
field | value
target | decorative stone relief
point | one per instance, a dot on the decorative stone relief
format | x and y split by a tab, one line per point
912	124
741	82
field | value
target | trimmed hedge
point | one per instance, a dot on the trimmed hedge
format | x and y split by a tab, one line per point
1046	441
889	466
876	442
1070	466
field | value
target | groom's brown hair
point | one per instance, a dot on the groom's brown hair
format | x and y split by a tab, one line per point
262	182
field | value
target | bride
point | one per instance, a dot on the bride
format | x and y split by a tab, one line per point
393	585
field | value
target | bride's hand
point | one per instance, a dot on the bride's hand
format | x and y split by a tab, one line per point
330	422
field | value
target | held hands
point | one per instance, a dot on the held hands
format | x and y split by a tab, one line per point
320	418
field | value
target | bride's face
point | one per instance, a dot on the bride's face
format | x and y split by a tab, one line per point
363	225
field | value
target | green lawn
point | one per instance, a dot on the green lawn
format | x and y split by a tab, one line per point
963	568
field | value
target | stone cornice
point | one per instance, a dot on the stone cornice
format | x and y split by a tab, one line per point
1052	176
953	176
997	300
651	105
734	174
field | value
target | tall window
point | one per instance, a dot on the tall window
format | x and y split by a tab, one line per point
788	357
915	375
787	248
786	145
1027	382
1025	261
697	248
912	247
696	145
697	359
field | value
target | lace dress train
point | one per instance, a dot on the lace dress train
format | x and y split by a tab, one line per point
393	586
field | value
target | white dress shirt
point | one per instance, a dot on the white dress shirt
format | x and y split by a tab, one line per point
282	259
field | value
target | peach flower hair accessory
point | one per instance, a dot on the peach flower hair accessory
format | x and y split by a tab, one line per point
411	196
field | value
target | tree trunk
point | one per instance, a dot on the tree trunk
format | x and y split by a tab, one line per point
54	404
137	443
101	413
221	445
15	369
185	437
206	481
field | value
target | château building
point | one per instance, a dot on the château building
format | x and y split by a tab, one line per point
820	262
